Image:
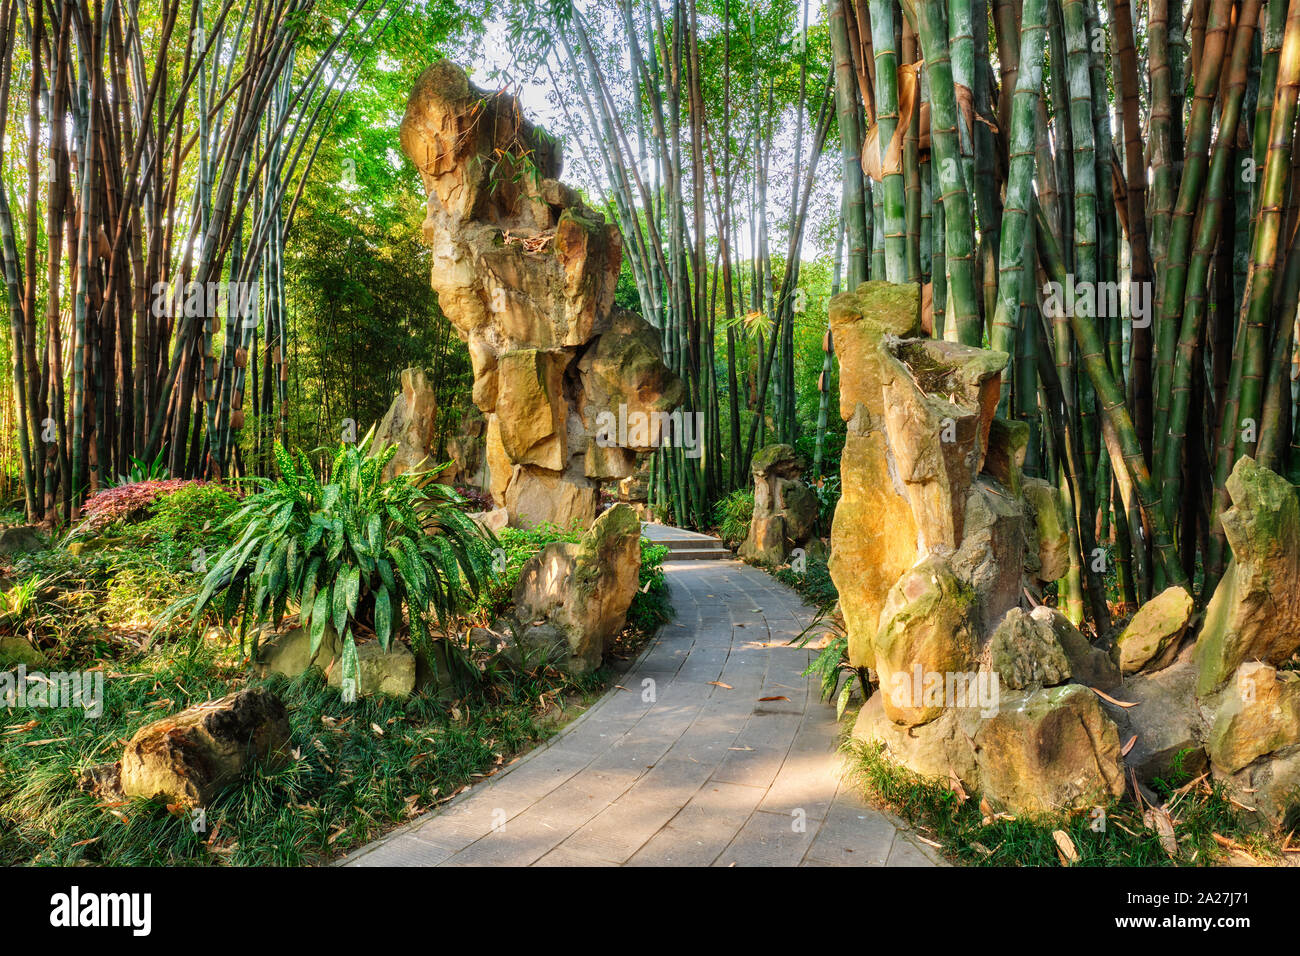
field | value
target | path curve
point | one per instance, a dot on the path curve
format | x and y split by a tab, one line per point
701	774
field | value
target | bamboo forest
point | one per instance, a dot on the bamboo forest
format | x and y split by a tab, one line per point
878	414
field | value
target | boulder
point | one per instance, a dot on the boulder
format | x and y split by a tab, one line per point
526	273
1168	728
390	671
1051	541
1024	652
411	424
288	652
582	589
1048	751
1151	639
939	408
468	448
1089	665
873	533
1269	789
493	520
926	634
15	650
1254	614
22	539
939	750
191	757
1008	445
785	509
1258	713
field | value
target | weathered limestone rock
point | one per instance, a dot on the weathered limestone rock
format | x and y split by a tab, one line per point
288	652
990	556
468	448
1049	751
1050	534
1254	613
15	650
22	539
1270	787
939	750
1165	721
1008	445
1152	638
493	520
1024	652
938	410
582	590
785	509
873	534
1258	713
926	632
526	274
1090	666
411	424
190	757
390	672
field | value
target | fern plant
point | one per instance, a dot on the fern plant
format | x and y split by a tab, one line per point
832	665
355	555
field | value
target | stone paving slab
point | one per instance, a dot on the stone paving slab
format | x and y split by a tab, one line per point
676	769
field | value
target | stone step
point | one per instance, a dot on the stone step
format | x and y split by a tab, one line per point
698	554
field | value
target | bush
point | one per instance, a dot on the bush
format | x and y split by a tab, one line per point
650	607
814	582
733	515
192	519
352	554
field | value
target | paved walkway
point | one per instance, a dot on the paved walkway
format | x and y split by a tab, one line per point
684	764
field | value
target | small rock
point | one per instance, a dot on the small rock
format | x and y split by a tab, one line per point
1025	652
194	755
1151	640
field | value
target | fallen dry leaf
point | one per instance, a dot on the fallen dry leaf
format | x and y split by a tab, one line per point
718	683
1129	746
1118	703
1065	847
777	697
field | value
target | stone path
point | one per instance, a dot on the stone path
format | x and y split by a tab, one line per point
674	769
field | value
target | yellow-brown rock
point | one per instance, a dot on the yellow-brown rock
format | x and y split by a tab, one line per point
526	274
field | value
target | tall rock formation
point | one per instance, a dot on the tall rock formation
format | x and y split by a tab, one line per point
526	274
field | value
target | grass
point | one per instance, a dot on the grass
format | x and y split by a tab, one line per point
359	769
813	582
971	836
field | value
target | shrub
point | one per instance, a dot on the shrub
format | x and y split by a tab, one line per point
128	502
352	554
650	607
733	515
193	517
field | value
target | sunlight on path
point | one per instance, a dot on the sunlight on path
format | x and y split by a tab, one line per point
684	764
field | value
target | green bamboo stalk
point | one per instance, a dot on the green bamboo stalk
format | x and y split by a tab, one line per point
959	238
893	202
1263	264
1115	411
1012	262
